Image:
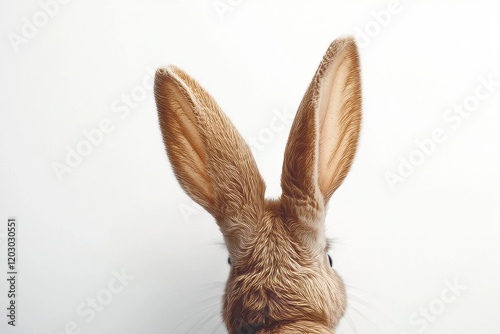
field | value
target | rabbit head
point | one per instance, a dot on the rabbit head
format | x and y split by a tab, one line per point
280	279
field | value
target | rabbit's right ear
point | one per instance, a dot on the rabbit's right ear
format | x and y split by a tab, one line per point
325	132
211	161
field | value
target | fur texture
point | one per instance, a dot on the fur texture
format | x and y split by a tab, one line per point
280	279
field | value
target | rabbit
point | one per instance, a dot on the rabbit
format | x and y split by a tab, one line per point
280	278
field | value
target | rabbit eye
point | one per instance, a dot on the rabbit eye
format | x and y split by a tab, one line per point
330	260
229	260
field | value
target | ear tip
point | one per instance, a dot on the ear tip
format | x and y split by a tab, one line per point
340	44
161	75
165	72
172	74
345	41
344	46
164	75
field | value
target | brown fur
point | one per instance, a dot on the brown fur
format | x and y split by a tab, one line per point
280	280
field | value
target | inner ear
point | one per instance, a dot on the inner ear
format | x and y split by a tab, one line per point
339	114
332	88
182	138
192	144
324	134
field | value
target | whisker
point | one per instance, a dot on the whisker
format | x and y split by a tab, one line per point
212	298
220	325
372	308
364	316
350	286
219	243
350	323
204	309
210	316
333	241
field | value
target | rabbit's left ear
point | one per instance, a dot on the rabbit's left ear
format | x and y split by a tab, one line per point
210	159
325	132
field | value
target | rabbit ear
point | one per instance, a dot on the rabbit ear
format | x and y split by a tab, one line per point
325	132
210	159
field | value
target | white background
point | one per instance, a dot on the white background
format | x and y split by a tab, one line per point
122	209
